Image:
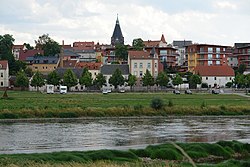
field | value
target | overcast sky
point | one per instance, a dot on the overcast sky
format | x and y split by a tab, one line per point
222	22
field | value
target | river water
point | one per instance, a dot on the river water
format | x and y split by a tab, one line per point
118	133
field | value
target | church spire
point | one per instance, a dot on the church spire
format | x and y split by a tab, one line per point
117	37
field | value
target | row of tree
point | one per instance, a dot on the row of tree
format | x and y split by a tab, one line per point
69	79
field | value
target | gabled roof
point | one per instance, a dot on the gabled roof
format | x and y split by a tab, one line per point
23	54
89	65
43	59
117	36
134	54
3	64
77	71
110	69
150	43
214	71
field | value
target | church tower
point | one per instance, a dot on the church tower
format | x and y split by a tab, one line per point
117	37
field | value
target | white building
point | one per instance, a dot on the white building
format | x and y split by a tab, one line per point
141	61
4	73
215	75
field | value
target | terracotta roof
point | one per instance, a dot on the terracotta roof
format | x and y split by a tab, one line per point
150	43
139	55
83	45
89	66
69	63
4	64
23	54
214	71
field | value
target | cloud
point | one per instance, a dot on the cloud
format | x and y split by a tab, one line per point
225	5
94	20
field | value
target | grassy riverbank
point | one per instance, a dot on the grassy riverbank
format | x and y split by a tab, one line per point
33	104
224	153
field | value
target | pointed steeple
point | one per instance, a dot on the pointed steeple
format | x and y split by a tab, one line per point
117	37
163	38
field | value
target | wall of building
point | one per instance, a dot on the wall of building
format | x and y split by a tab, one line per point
218	80
4	77
142	66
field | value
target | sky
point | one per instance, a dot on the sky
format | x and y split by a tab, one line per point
221	22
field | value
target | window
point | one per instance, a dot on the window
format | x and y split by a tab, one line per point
141	73
1	74
163	52
149	65
210	56
210	63
135	65
155	65
135	73
217	62
217	56
1	83
210	50
141	65
215	78
224	49
217	50
230	78
206	78
35	67
201	50
248	51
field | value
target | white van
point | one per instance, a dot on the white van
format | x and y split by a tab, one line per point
63	89
50	89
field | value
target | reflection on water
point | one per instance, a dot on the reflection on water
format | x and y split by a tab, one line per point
119	133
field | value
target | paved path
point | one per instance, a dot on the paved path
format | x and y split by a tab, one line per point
242	94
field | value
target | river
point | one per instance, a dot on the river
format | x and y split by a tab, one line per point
118	133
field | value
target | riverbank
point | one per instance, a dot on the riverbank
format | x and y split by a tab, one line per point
36	105
223	153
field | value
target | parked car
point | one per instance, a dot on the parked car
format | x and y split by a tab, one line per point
215	91
176	92
105	91
188	91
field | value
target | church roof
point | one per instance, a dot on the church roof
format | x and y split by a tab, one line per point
117	36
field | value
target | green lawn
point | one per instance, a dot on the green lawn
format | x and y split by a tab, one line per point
23	104
19	100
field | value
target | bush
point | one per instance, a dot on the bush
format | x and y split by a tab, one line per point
204	85
170	103
165	153
68	115
157	103
8	116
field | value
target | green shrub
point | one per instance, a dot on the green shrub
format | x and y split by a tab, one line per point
68	115
157	103
170	103
166	153
141	152
8	116
138	107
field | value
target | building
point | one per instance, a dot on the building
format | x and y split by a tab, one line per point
140	61
4	73
181	46
108	70
84	45
43	64
117	37
206	55
23	54
166	53
215	76
242	52
16	50
94	68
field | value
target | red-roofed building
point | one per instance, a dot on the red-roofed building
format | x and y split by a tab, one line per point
4	73
84	46
94	68
140	61
69	63
215	75
23	54
16	50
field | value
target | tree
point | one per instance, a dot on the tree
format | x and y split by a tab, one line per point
147	79
239	80
47	44
194	80
177	80
138	44
22	80
131	81
28	46
53	78
86	78
99	80
121	52
241	68
37	80
162	79
69	78
116	78
28	71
